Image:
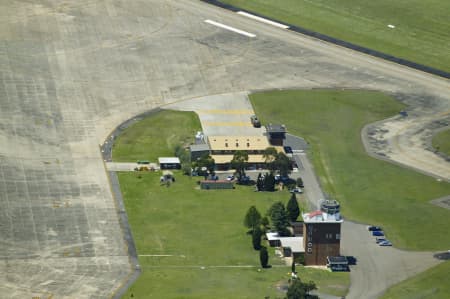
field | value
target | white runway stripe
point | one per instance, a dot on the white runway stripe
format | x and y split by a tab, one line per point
243	13
230	28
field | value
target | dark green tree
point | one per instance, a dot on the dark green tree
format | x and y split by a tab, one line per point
270	155
265	223
205	162
264	257
293	267
279	218
269	182
292	208
299	290
240	159
256	238
260	183
282	164
252	218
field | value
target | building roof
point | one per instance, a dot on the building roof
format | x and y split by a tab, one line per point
235	143
170	160
216	182
337	260
272	236
322	217
223	159
200	147
295	243
275	128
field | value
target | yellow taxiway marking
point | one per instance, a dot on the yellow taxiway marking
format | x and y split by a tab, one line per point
222	111
230	124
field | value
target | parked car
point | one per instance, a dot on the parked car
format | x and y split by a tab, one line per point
230	177
378	233
385	243
255	121
296	190
372	228
380	239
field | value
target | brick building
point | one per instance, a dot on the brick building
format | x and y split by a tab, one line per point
322	233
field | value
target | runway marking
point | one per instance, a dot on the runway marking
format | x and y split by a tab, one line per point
224	123
230	28
219	111
276	24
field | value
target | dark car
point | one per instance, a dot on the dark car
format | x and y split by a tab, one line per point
372	228
255	121
378	233
288	150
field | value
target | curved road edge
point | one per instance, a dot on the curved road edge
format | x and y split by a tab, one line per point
106	151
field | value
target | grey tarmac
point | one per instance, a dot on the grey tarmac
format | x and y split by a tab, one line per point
70	72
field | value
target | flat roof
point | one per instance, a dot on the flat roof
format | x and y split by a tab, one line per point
322	217
235	143
272	236
337	260
295	243
276	128
199	147
223	159
168	160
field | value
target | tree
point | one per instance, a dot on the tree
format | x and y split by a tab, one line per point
260	183
240	159
282	164
256	238
299	290
279	218
269	156
205	162
252	218
269	182
264	223
264	257
293	211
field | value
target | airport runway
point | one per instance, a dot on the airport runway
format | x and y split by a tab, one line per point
70	72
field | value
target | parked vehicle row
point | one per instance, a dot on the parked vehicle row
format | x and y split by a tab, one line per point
379	234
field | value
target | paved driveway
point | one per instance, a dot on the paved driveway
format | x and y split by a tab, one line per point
224	114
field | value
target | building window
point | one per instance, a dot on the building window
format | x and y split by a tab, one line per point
329	236
338	236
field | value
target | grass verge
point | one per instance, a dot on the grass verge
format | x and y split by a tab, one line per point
370	190
441	142
421	33
431	284
199	228
155	136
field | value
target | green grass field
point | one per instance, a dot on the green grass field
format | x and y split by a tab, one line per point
422	32
203	228
155	136
198	228
441	142
431	284
370	191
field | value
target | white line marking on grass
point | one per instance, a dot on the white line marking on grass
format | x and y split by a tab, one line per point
279	25
230	28
160	255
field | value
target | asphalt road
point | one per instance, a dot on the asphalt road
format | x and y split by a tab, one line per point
70	72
